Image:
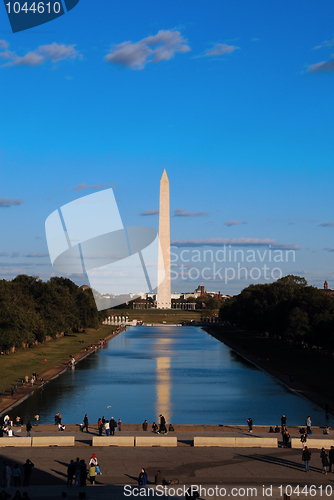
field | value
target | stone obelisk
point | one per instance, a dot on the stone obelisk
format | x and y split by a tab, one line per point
164	288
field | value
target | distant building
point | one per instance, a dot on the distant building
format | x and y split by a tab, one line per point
327	290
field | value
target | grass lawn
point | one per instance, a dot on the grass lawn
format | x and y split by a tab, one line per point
159	315
15	366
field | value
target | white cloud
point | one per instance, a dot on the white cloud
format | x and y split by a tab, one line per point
58	51
179	212
160	47
220	49
54	52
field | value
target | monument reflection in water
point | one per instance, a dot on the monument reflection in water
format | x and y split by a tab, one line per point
183	373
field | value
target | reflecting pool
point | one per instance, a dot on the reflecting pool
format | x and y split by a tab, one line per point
181	372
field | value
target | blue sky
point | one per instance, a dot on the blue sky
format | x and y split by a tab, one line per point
234	99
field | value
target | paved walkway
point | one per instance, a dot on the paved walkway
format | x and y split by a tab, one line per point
182	432
210	467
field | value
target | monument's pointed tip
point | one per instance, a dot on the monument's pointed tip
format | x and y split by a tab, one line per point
164	175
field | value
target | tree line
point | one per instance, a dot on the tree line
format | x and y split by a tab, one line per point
287	309
32	310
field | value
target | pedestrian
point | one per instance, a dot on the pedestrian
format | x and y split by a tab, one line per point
306	457
286	438
70	473
331	458
77	472
250	424
142	479
28	427
162	428
309	425
93	461
83	473
9	474
303	439
17	476
92	473
113	426
100	426
36	417
107	427
27	468
144	425
324	460
119	424
85	421
158	478
283	421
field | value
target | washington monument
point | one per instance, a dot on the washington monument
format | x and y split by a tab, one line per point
164	288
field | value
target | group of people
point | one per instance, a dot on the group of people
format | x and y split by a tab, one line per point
107	426
77	471
327	459
162	428
13	475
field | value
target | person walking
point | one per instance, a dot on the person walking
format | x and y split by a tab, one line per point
283	421
27	469
331	458
306	457
107	427
85	421
162	428
324	460
250	424
28	428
